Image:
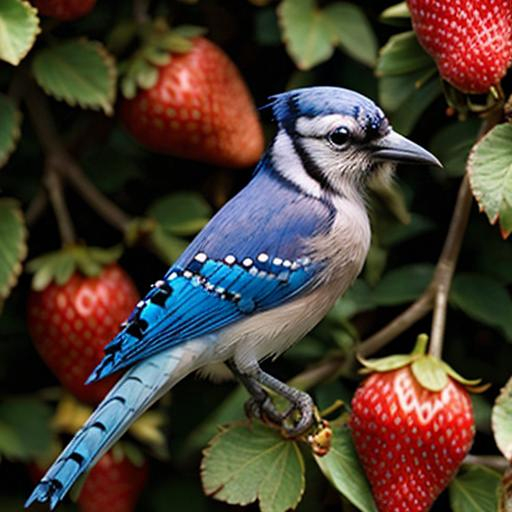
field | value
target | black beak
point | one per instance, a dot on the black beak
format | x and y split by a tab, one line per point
393	147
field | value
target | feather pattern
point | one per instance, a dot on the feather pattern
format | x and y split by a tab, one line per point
252	256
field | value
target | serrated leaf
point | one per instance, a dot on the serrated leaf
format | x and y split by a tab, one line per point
475	490
484	299
403	285
305	33
502	420
13	248
79	72
402	54
246	463
505	492
343	469
430	373
19	26
351	30
490	174
10	123
181	214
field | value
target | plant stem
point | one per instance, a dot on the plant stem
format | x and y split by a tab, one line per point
66	165
491	461
53	184
36	206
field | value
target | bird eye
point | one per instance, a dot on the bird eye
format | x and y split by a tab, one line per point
339	137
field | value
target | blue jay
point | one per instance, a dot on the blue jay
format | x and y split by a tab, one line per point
261	274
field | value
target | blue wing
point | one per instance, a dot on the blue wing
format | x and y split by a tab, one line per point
250	257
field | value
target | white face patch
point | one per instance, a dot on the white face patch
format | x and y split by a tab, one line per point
322	126
289	165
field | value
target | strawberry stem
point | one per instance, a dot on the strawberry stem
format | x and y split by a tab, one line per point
420	348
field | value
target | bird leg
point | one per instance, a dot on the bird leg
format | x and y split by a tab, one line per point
299	401
260	404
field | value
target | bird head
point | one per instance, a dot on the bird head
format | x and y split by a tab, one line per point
338	138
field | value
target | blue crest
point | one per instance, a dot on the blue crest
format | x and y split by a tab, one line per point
321	101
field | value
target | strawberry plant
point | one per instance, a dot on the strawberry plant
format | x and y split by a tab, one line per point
125	125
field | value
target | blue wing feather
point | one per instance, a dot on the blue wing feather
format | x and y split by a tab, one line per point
219	279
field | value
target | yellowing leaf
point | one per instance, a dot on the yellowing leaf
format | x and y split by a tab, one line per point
490	174
19	26
245	463
502	421
79	72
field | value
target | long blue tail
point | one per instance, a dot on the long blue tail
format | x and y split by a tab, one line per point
129	398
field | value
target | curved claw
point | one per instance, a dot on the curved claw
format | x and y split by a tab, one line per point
306	408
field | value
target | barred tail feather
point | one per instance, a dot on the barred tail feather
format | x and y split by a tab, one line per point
137	390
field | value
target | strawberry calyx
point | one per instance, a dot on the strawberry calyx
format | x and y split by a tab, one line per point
159	42
59	266
465	103
430	372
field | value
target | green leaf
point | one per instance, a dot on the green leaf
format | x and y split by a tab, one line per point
402	285
358	298
311	33
181	214
10	123
13	247
484	299
342	468
430	373
24	428
402	54
475	490
169	247
79	72
407	115
393	233
19	26
305	33
462	136
245	463
502	420
490	173
351	30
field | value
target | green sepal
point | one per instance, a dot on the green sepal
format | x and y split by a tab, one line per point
386	364
430	373
59	266
158	44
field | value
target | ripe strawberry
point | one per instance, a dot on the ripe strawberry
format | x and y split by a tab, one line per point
199	108
112	485
470	40
411	439
64	10
71	323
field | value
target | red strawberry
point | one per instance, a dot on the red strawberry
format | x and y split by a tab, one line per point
470	40
411	440
199	108
64	10
71	323
112	485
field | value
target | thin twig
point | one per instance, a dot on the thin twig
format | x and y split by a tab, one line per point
36	206
450	254
53	184
66	165
491	461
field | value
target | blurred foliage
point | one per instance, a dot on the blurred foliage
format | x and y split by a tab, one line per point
166	201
